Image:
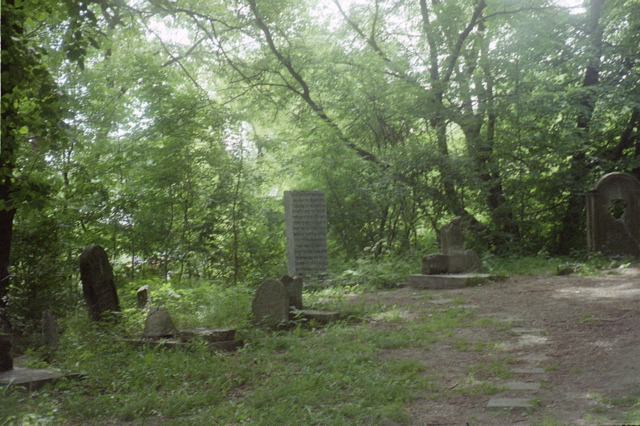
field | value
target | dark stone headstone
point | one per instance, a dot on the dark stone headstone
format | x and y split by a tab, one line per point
50	330
613	215
293	286
143	297
159	324
270	305
6	360
97	284
306	232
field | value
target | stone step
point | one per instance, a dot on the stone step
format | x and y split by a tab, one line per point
32	378
444	282
524	386
533	370
500	402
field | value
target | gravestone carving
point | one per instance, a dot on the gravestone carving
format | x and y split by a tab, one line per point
98	285
306	232
159	324
613	215
270	305
454	259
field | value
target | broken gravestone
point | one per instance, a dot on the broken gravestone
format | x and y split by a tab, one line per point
143	297
158	324
455	267
98	285
454	259
270	305
613	215
293	287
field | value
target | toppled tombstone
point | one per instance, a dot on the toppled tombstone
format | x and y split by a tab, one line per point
98	285
143	297
455	267
217	338
613	215
270	305
158	324
293	287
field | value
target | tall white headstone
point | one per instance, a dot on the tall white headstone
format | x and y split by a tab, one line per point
306	231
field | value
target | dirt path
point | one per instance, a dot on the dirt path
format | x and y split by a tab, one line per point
578	338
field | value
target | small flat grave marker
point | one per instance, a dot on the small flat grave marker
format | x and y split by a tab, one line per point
498	403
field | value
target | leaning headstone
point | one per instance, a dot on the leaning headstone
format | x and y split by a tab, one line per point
613	215
143	297
293	286
159	324
97	284
306	232
50	331
270	305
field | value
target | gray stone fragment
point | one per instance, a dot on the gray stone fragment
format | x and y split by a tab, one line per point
143	296
159	324
534	370
529	386
293	286
270	305
509	403
436	263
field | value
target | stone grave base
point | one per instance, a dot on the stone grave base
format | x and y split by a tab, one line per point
445	282
31	378
223	339
321	317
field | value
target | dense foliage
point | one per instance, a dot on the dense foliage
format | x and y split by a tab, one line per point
167	131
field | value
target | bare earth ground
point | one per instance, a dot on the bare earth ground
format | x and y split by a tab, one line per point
583	332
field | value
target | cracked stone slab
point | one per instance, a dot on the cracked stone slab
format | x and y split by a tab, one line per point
524	330
534	370
509	403
525	386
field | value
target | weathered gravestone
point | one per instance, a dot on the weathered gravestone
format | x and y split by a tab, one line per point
97	284
159	324
454	259
613	215
306	232
50	331
143	296
270	305
455	267
6	360
293	286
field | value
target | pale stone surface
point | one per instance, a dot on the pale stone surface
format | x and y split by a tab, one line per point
270	305
159	324
613	215
306	233
444	282
29	378
322	317
534	370
509	403
98	285
525	386
524	330
452	237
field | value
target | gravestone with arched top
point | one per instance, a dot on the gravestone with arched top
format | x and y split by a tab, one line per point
613	215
